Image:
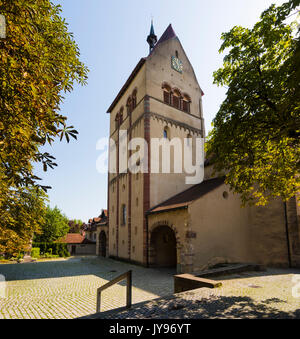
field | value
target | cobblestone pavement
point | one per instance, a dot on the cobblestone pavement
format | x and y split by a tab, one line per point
67	288
248	295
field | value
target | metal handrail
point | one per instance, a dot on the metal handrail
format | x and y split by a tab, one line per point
128	277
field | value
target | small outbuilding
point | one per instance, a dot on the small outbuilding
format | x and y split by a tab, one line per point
77	244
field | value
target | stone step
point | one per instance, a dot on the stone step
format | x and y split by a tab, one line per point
230	269
187	282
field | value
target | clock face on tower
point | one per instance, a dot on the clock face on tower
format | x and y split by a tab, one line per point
177	64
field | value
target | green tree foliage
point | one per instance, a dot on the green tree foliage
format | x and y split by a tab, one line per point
35	252
255	139
22	212
75	226
51	248
54	227
39	63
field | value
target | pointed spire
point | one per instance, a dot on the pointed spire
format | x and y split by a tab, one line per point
168	34
152	28
152	38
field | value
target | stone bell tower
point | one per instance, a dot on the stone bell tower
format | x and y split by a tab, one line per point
160	99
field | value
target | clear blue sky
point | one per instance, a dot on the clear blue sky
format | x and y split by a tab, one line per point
112	38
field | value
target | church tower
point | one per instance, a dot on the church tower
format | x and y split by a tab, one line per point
160	99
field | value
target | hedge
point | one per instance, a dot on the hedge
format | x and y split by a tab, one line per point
35	252
54	248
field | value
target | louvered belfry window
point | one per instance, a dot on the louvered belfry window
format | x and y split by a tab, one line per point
176	99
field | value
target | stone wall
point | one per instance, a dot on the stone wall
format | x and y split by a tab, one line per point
82	249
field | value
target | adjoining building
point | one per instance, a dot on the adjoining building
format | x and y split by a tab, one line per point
97	231
102	235
156	219
77	244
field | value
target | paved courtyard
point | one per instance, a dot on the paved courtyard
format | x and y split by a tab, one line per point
67	288
267	295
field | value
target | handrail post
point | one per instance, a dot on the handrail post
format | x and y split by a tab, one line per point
128	277
98	301
129	289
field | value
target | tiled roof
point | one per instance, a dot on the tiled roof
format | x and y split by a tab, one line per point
183	199
97	221
168	34
75	238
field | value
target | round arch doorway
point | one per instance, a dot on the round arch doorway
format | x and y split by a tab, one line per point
163	247
102	244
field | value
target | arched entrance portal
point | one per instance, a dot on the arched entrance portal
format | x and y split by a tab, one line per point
163	247
102	244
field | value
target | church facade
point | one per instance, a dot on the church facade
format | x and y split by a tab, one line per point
157	219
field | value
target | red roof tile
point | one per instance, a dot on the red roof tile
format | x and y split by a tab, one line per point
75	238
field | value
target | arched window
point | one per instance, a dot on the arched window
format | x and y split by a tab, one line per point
167	94
186	103
176	99
117	121
129	105
189	140
121	116
166	133
133	106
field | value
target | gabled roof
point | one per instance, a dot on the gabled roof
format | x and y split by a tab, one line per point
183	199
95	222
103	214
75	238
167	35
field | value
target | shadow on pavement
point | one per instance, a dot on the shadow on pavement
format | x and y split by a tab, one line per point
222	307
103	268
